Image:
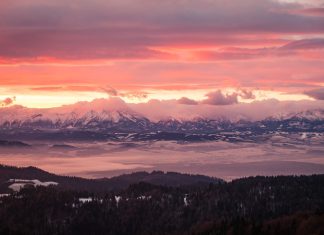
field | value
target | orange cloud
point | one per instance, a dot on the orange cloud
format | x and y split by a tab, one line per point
7	101
141	47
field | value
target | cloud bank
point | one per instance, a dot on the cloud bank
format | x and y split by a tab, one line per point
135	29
152	47
317	94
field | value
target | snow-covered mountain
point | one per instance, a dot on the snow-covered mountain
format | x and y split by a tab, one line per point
104	118
99	114
312	115
91	119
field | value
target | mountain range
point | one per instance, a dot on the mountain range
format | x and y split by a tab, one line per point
93	121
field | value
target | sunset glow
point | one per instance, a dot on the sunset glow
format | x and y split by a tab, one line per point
165	50
135	117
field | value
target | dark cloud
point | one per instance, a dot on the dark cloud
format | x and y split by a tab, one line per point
187	101
218	98
237	53
110	91
135	94
245	94
306	44
7	101
317	94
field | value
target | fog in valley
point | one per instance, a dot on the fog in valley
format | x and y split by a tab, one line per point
227	160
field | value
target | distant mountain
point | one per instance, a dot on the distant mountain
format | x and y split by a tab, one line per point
8	173
99	120
94	120
311	115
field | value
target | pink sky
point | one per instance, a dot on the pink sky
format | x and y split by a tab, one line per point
60	52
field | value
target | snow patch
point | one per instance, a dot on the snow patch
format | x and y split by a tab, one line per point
18	184
85	200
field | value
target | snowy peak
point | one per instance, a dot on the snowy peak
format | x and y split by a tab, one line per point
311	115
100	113
115	116
70	120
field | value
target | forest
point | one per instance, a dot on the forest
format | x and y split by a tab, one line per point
255	205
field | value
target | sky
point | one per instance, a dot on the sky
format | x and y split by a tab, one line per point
206	52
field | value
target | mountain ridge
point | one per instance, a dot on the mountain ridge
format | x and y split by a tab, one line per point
101	184
103	120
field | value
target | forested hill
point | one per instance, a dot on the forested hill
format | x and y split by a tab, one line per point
284	205
101	185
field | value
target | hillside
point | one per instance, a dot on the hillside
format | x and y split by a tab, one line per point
100	185
280	205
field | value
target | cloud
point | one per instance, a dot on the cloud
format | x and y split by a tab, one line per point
7	101
235	53
110	91
47	88
245	94
82	88
218	98
132	29
181	39
187	101
256	110
306	44
317	94
239	53
135	94
318	12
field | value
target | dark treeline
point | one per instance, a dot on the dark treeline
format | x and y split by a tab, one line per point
104	184
257	205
